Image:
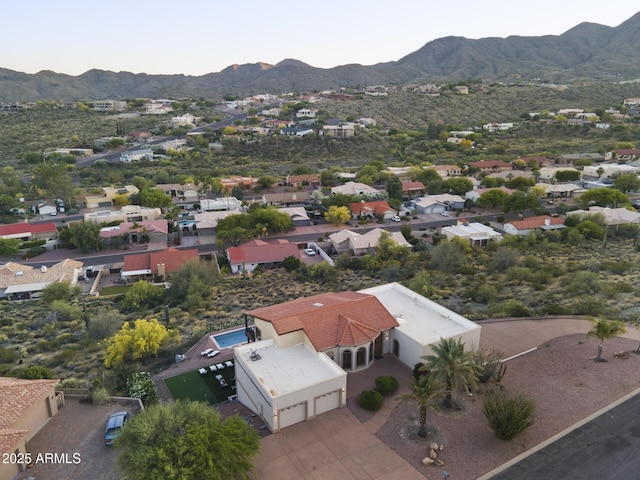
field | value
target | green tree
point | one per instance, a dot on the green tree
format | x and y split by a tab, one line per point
426	392
563	176
142	295
337	215
291	263
266	181
9	246
394	189
494	198
183	440
191	285
54	181
140	385
627	182
521	201
604	329
85	236
36	372
520	183
60	291
155	198
448	256
145	338
458	185
604	197
452	366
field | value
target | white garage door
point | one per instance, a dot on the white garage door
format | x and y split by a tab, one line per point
293	414
327	402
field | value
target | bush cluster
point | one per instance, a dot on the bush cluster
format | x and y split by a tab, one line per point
508	416
386	384
370	400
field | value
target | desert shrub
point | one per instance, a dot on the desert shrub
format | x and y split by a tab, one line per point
104	324
98	395
140	385
482	293
588	305
508	416
555	309
36	372
518	275
386	384
490	364
584	283
370	400
515	308
8	355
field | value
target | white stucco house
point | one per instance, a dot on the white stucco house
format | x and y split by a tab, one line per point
476	233
297	366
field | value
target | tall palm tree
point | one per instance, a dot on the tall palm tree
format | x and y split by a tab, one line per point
604	329
452	366
425	391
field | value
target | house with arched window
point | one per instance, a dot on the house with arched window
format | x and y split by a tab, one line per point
300	352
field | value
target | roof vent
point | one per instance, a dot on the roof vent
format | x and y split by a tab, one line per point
317	304
254	356
43	269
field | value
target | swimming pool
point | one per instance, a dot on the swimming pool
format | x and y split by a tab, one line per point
230	339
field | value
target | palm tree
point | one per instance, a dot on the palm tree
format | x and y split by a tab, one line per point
452	365
604	329
425	391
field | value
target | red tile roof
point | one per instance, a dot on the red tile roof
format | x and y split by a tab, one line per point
172	258
259	251
18	396
330	319
536	222
26	228
381	207
412	186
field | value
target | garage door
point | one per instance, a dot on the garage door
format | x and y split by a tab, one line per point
327	402
293	414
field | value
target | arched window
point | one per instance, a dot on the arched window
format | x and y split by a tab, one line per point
396	348
371	352
346	359
361	357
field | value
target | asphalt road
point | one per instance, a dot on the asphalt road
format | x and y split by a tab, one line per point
604	448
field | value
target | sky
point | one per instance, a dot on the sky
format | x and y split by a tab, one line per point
195	37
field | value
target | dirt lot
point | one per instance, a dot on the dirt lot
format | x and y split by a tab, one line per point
78	428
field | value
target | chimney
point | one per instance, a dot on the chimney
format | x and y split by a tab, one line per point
161	271
547	221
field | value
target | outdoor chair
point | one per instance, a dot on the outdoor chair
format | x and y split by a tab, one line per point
213	353
202	371
213	368
206	352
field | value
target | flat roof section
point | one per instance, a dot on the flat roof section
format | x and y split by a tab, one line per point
420	318
287	370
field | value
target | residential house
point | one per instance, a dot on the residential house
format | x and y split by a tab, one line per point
271	112
298	215
476	233
491	166
561	190
129	156
608	170
623	155
26	406
140	135
548	174
246	183
474	195
296	368
206	223
446	171
306	113
339	131
570	112
296	131
372	210
220	204
526	226
188	191
156	266
287	199
461	89
573	157
246	257
186	120
312	180
355	189
403	173
412	189
128	213
437	203
612	216
631	102
497	127
22	282
158	107
29	231
106	105
174	144
537	161
361	244
156	230
108	194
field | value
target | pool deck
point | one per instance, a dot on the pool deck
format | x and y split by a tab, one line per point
217	346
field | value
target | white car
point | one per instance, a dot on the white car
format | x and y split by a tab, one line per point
444	214
310	251
396	218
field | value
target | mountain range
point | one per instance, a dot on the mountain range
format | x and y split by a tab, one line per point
588	51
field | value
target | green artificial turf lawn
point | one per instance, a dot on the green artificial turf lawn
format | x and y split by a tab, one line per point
203	388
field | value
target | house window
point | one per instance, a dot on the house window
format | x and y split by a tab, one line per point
371	352
361	357
346	359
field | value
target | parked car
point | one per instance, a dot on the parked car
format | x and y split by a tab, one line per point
444	214
310	251
115	424
396	218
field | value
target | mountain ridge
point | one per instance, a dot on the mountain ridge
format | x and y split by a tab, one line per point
586	51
